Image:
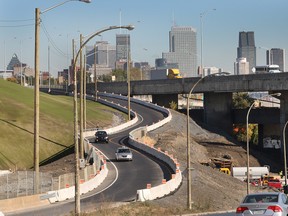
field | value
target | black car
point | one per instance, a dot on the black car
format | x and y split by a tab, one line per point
101	136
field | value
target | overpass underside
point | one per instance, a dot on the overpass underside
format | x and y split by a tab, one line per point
218	114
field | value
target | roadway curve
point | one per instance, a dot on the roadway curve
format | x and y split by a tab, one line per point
124	178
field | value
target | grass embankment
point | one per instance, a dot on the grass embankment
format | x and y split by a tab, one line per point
56	124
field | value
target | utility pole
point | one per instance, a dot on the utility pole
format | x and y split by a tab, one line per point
36	101
81	99
84	89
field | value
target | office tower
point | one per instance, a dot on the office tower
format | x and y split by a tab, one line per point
122	47
276	56
241	66
246	48
183	50
105	54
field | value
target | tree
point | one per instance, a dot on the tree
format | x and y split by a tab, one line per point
135	74
120	75
241	100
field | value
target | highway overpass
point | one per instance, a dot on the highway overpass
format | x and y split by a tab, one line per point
217	92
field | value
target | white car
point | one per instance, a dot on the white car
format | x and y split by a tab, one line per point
266	203
123	153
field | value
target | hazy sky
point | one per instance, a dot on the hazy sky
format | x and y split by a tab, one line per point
152	19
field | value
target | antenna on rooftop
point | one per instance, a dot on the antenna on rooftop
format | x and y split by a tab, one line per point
173	19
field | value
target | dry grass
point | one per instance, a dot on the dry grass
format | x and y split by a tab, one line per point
132	209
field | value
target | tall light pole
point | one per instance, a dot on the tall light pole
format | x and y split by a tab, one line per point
201	20
255	103
36	89
95	73
77	185
49	78
284	152
189	182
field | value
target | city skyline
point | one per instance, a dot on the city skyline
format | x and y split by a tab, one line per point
152	20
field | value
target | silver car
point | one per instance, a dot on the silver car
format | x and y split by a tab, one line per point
123	153
268	203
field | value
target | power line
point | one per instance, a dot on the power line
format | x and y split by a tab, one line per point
51	41
15	26
24	20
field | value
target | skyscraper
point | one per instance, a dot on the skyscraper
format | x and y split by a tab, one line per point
246	48
183	50
122	46
105	54
276	56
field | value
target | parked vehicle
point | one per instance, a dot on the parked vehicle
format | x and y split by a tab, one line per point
101	136
123	153
269	203
275	183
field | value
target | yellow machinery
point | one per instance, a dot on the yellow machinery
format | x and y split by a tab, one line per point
174	74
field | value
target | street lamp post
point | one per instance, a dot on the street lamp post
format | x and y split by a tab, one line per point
95	72
36	89
256	102
284	152
77	185
189	182
49	77
201	20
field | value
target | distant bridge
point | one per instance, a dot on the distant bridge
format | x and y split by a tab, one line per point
217	92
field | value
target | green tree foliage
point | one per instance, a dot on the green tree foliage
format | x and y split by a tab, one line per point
135	74
120	75
241	100
106	78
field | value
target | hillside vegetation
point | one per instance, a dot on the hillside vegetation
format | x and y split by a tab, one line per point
56	124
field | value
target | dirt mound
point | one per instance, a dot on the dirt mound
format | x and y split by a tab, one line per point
211	189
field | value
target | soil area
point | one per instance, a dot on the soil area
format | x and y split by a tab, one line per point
211	189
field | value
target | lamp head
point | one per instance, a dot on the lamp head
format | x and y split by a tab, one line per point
86	1
130	27
276	94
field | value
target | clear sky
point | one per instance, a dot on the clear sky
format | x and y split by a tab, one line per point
152	19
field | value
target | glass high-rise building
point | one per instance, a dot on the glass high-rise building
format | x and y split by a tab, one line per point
183	50
122	47
246	48
276	56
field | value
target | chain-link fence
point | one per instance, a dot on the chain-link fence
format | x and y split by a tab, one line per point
21	183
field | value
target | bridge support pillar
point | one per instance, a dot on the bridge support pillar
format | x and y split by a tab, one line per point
218	110
165	99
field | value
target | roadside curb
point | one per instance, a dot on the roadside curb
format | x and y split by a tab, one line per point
208	213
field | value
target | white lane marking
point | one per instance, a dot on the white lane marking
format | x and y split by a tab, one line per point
117	173
104	179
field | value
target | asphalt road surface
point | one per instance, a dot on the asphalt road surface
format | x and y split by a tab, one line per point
124	177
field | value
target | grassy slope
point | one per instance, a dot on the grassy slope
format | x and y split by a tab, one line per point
56	124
